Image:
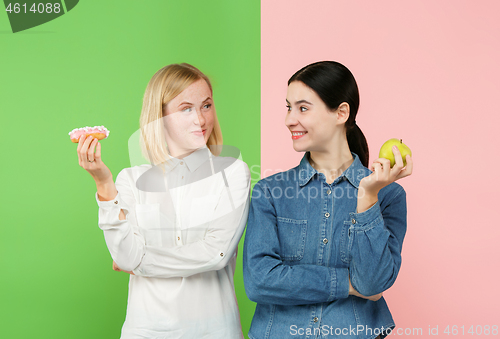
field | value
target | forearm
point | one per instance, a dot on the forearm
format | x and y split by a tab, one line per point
209	254
376	239
269	281
365	200
125	247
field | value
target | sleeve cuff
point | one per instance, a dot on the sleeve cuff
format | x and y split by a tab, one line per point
110	203
109	212
340	283
366	217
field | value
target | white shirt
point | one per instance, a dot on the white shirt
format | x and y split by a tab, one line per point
180	239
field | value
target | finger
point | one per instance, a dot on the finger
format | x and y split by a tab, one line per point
397	157
376	161
90	153
115	267
80	143
85	147
377	170
81	139
98	151
377	167
386	166
407	170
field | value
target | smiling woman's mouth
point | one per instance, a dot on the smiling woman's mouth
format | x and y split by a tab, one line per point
298	135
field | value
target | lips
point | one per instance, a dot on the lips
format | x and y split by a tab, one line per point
298	134
199	133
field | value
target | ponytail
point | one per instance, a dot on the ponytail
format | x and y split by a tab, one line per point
357	144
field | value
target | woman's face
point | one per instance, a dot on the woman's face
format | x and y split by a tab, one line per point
311	123
189	119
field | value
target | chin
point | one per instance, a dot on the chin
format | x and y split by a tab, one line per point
299	148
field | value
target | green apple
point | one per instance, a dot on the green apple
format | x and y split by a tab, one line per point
386	150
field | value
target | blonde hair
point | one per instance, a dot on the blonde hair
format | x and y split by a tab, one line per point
165	85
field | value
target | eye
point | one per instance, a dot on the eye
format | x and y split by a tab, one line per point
207	106
288	108
303	109
187	109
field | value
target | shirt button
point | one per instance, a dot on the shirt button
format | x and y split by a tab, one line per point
315	319
222	254
327	214
178	238
182	163
329	192
353	221
182	177
116	201
325	241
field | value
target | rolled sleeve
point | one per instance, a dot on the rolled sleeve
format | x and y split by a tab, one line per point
123	238
109	212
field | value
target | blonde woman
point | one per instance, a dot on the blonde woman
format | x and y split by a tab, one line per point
175	225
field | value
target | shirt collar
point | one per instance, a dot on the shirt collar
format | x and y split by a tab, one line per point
354	173
197	158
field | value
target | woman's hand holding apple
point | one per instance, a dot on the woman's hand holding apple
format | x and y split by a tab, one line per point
382	176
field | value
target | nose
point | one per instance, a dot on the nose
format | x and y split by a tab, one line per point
201	118
290	119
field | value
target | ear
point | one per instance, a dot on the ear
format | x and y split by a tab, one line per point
343	112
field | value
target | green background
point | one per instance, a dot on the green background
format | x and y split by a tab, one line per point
91	67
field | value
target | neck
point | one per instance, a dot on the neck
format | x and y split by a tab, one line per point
179	154
333	161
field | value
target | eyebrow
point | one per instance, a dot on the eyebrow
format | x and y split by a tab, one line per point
189	103
300	102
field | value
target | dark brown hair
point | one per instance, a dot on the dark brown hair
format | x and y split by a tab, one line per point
335	84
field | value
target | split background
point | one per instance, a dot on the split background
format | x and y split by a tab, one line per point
427	71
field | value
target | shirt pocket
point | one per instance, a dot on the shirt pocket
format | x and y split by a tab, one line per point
148	219
292	238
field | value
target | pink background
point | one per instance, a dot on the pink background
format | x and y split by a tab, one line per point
428	72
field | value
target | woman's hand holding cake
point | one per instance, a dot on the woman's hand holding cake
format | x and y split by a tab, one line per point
89	157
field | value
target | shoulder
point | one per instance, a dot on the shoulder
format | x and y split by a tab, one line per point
280	179
232	167
131	176
135	171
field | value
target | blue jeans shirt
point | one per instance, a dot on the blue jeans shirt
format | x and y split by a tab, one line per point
304	240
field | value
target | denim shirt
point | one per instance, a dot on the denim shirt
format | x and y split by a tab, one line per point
304	240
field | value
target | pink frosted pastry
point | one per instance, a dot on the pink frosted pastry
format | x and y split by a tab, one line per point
99	132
